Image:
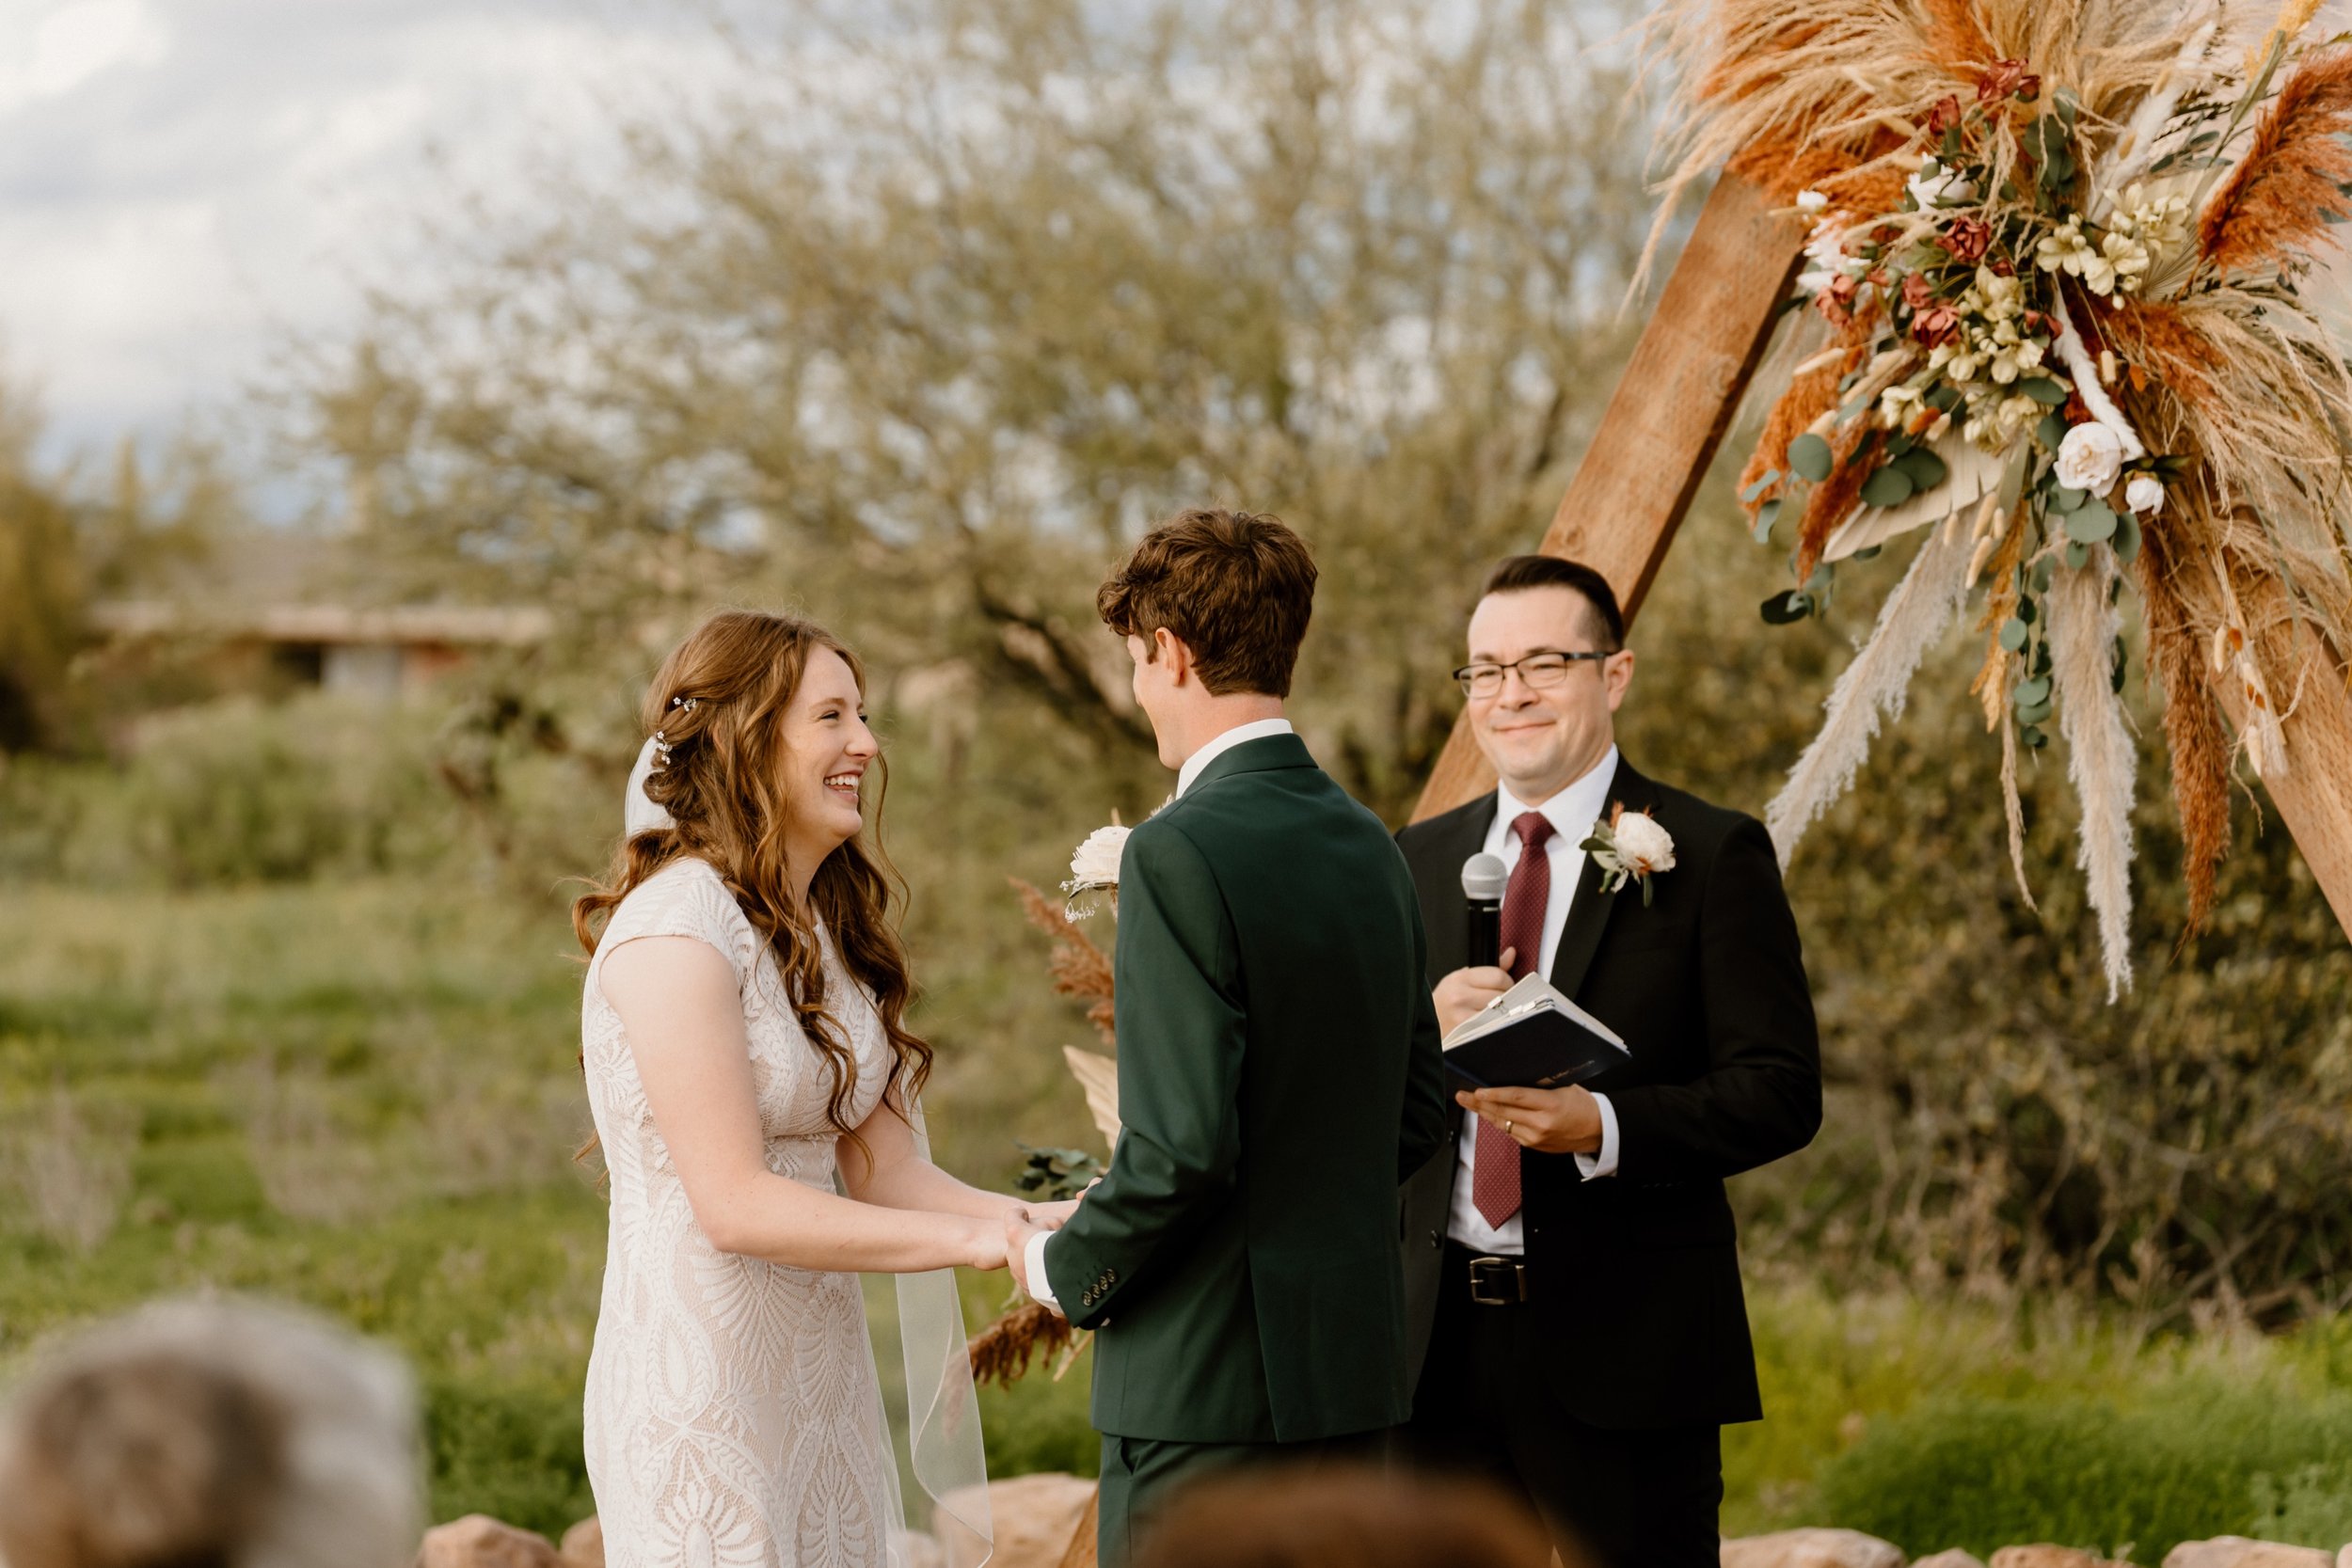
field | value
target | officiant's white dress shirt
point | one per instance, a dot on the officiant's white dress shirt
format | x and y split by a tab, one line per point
1572	814
1033	1256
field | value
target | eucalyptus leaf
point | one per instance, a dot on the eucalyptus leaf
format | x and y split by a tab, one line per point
2042	571
1764	482
2032	738
2034	713
1889	486
2065	497
2042	391
2014	633
1810	456
2127	540
2091	525
1926	470
1783	609
2051	431
1766	516
2077	554
2032	691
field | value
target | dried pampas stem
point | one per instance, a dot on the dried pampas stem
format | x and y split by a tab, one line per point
2013	812
2083	629
1913	617
2289	187
1001	1352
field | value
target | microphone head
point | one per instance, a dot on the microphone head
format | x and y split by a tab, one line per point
1484	879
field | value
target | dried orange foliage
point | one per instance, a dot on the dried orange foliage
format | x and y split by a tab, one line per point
1080	969
1001	1352
1834	499
2288	188
2194	732
1810	396
1992	685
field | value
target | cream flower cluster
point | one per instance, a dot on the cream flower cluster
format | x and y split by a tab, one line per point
2158	224
1992	340
2121	258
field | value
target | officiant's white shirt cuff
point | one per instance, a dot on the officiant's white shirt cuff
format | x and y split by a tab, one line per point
1033	1260
1603	1164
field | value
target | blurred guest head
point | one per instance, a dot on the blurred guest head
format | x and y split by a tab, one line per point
1345	1518
211	1434
1547	667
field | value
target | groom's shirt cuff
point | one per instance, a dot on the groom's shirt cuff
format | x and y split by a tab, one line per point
1602	1163
1033	1262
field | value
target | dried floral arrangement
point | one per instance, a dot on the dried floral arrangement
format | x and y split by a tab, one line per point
2060	316
1001	1352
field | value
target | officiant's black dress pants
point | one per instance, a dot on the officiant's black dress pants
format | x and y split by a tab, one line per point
1624	1499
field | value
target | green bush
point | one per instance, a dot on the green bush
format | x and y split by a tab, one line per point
1039	1424
1983	1474
237	791
508	1450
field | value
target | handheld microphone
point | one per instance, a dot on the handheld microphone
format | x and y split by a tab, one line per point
1483	881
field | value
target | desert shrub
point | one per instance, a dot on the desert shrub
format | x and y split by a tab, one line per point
1985	1474
238	791
508	1449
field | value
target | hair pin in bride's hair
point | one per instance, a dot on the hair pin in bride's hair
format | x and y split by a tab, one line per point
661	743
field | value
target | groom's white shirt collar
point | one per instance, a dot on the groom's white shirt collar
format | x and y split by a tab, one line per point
1257	729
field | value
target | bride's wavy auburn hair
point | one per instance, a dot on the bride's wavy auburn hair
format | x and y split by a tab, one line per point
723	784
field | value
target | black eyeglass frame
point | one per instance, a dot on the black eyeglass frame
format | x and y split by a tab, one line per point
1462	676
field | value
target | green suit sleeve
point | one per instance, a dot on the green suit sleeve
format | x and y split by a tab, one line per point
1180	1031
1427	1106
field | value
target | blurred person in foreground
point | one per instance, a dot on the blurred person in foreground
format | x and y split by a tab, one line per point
211	1434
1346	1518
1578	1331
1277	1058
746	1044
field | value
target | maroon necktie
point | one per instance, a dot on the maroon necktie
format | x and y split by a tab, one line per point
1495	1170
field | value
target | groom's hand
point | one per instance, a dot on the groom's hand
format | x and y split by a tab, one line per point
1019	1227
1468	991
1551	1121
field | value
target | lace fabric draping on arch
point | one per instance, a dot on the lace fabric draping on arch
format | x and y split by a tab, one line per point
944	1448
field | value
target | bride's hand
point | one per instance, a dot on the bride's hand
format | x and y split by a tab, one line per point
987	1245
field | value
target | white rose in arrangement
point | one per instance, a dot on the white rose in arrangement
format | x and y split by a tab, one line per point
2089	458
1812	203
2144	494
1096	861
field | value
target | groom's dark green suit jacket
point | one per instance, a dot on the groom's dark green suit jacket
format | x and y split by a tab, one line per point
1279	1076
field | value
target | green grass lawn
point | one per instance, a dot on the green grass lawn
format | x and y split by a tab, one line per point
365	1097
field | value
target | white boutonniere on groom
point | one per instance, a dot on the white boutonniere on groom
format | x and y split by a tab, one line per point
1094	868
1629	848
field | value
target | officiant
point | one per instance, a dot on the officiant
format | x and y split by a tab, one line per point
1574	1308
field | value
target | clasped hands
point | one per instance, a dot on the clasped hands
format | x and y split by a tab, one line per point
1024	1220
1551	1121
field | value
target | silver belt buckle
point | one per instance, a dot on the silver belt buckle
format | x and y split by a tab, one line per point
1498	1281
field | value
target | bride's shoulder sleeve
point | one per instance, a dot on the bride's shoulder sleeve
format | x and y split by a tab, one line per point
686	898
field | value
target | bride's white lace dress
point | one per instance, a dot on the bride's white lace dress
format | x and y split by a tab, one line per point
733	1415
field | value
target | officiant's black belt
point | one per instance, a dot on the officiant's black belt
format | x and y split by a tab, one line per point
1493	1281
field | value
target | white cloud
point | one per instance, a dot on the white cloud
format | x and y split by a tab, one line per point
73	43
181	181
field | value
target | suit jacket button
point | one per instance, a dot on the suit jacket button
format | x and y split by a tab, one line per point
1435	1240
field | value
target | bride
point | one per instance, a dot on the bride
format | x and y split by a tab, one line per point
744	1041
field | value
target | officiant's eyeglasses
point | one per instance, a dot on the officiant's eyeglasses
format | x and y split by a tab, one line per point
1537	671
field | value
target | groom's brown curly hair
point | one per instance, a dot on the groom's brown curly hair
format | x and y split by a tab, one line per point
1235	587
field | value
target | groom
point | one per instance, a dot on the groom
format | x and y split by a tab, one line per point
1277	1058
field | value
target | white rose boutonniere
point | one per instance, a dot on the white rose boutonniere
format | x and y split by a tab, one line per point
1094	868
1631	847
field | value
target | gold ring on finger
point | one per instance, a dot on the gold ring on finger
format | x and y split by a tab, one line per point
1507	1125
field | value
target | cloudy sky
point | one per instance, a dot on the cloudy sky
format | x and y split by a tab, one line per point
183	182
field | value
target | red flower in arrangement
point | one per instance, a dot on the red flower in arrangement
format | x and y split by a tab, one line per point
2001	267
1835	303
1916	292
1967	238
1935	325
1945	115
2003	77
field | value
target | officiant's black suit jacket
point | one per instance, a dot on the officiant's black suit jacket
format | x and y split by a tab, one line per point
1635	1278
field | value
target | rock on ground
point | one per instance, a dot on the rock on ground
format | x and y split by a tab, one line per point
1951	1557
2236	1551
1034	1517
2046	1556
1812	1548
478	1541
583	1544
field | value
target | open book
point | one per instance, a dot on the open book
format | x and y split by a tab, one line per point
1532	1037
